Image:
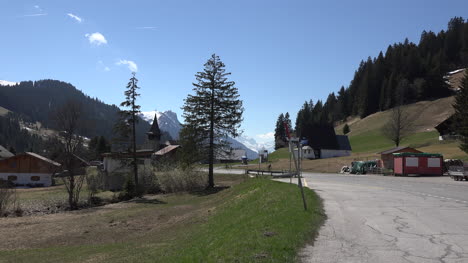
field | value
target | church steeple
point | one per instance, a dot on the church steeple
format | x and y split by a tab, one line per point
154	134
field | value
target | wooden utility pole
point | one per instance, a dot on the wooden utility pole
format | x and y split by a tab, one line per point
296	162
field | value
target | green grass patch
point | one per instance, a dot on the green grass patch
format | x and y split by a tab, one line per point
375	141
257	220
281	153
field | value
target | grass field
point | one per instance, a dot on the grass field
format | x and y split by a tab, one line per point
254	220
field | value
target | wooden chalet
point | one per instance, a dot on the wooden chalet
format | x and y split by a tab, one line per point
28	169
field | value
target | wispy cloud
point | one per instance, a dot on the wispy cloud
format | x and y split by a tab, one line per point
38	12
96	38
132	66
101	66
77	18
147	27
38	8
34	15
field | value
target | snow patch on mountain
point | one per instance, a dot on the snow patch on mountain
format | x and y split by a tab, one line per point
8	83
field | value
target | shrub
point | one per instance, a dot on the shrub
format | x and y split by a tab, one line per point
179	180
7	197
93	183
130	189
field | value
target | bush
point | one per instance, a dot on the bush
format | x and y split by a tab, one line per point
7	198
131	190
179	180
93	183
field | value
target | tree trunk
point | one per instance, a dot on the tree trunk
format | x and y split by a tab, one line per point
135	165
71	200
211	148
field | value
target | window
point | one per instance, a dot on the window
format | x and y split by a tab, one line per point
12	178
412	162
433	162
35	178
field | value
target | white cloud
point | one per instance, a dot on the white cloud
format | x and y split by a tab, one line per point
132	66
96	38
266	136
77	18
106	69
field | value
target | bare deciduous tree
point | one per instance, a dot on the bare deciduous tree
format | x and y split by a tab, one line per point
397	126
69	121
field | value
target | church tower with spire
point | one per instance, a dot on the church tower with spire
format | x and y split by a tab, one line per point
154	135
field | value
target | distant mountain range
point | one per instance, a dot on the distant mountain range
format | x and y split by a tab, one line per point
169	122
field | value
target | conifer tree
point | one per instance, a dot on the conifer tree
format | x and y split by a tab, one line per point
346	129
461	114
129	119
280	132
215	110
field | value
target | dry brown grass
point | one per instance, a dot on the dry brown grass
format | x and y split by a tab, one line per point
154	216
424	116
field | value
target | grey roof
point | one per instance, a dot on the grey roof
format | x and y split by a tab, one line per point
343	142
396	149
4	153
321	137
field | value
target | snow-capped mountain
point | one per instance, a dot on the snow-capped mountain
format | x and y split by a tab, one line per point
169	122
252	144
7	83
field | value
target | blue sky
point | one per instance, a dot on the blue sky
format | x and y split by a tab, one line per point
280	53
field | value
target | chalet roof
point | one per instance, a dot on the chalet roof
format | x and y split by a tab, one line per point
397	149
167	149
154	130
4	153
42	158
321	137
343	142
446	125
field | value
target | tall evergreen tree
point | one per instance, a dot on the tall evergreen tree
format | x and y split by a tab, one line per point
461	113
129	119
215	110
280	132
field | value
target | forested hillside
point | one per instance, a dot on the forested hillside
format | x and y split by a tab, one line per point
405	73
38	100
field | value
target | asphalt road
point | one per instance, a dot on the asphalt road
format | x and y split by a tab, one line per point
390	219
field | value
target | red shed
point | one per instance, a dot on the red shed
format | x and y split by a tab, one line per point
387	155
418	163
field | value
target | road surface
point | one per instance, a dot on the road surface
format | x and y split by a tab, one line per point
390	219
